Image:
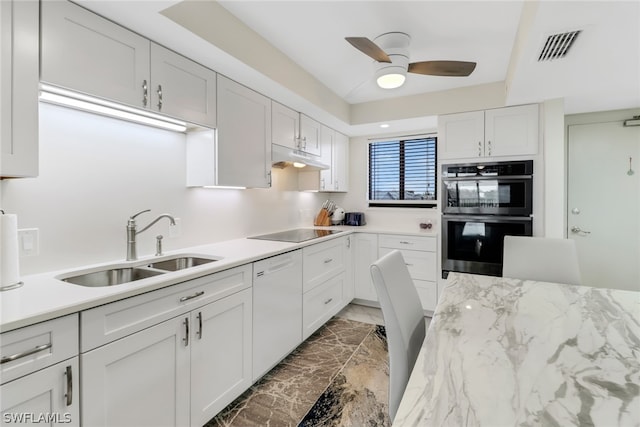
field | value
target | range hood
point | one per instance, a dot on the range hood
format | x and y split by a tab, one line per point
282	157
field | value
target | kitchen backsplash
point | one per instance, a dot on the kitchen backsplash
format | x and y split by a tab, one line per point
95	172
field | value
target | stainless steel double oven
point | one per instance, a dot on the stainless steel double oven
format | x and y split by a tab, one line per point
482	203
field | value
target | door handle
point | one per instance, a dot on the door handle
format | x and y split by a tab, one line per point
69	394
578	230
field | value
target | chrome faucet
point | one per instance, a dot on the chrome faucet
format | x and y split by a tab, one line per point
132	233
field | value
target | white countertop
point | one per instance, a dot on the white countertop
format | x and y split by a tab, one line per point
507	352
44	297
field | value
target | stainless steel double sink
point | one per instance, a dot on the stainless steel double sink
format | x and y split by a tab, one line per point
119	274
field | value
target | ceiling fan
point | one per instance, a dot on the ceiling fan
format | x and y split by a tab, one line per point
391	51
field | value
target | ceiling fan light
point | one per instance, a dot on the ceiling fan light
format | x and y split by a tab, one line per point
391	81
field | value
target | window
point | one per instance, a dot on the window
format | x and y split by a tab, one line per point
402	173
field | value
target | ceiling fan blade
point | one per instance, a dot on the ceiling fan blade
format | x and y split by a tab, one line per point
369	48
443	68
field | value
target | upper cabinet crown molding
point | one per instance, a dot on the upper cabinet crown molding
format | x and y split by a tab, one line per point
509	131
86	53
19	79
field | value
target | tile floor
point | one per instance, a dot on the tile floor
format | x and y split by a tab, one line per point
337	377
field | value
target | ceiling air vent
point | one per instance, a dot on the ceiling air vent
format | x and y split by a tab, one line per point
557	46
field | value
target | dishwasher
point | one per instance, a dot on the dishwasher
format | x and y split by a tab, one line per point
277	310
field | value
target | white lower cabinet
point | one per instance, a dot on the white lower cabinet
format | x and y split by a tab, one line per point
365	253
325	282
140	380
220	355
420	255
179	371
39	374
45	397
322	303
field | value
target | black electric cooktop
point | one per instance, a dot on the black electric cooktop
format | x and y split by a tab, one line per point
296	236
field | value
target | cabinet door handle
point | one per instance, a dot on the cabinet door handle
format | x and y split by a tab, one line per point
348	241
159	91
328	301
199	325
479	148
408	265
186	332
196	295
69	394
328	260
25	353
489	146
145	93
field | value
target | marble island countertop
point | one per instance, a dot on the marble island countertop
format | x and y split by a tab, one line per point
506	352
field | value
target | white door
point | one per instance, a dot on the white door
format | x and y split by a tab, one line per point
604	201
220	355
182	88
365	253
244	136
50	396
140	380
87	53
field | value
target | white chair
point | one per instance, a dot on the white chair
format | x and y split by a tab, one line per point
403	318
541	258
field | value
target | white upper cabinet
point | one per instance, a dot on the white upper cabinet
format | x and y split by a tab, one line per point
295	130
340	164
310	135
19	27
327	143
509	131
182	88
461	135
244	136
285	125
86	53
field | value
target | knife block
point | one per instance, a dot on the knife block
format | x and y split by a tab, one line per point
323	218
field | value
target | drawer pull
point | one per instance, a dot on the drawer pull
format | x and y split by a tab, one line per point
196	295
328	260
408	265
69	394
328	301
404	242
25	353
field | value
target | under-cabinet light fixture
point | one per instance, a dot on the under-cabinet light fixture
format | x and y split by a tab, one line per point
635	121
103	107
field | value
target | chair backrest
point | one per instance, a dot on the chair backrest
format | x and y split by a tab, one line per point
541	258
403	319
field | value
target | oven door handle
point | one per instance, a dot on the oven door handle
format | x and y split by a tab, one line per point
487	178
488	218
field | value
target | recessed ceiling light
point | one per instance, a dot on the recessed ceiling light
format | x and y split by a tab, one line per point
384	125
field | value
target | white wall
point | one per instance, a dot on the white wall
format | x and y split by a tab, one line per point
95	172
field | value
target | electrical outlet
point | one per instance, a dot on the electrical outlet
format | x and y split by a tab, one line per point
28	241
176	230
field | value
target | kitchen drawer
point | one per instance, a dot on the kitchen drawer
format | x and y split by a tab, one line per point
322	261
428	293
321	303
415	243
38	346
110	322
422	265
